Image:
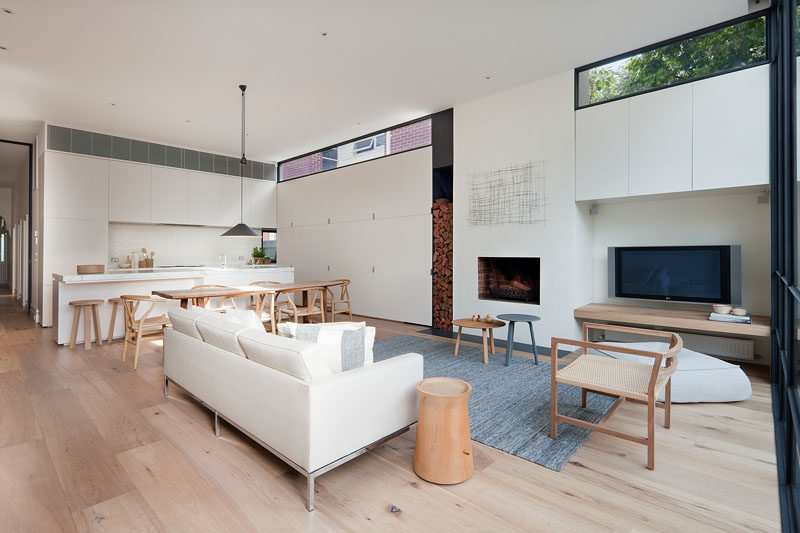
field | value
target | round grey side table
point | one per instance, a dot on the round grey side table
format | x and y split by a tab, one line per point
511	318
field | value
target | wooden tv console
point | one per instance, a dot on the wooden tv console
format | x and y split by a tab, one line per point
696	321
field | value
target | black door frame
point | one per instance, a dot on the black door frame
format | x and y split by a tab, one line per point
29	262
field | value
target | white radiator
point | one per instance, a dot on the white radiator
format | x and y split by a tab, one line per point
741	349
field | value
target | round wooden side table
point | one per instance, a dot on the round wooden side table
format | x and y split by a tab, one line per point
484	327
443	453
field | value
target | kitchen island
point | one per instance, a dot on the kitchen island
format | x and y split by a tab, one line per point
115	283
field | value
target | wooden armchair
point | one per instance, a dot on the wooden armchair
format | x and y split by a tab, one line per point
137	328
206	302
617	378
312	305
337	304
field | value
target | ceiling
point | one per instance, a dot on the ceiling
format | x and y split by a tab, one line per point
13	157
171	68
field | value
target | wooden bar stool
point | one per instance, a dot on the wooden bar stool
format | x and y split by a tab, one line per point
116	302
89	314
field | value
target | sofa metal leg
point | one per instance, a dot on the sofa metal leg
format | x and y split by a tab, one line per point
216	423
310	500
166	386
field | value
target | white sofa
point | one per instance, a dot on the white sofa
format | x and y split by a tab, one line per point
314	420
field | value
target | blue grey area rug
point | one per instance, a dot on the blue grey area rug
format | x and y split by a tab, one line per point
509	408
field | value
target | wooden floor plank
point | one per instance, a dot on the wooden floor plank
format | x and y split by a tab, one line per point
88	471
268	501
181	497
125	513
31	498
121	426
18	422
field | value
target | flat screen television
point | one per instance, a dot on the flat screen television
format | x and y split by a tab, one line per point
708	274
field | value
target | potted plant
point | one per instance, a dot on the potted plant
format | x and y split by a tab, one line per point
258	255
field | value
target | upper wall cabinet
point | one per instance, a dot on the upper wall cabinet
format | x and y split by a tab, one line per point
731	129
75	187
263	203
660	155
601	151
204	199
169	195
235	200
128	192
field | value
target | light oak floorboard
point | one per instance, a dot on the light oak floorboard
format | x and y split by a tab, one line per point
31	498
182	498
18	422
86	466
125	513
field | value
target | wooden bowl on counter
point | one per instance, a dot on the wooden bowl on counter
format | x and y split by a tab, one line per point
91	269
722	309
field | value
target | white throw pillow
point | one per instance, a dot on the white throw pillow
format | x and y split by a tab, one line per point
303	360
221	332
288	329
344	348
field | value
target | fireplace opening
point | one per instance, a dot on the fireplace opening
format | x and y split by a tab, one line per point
511	279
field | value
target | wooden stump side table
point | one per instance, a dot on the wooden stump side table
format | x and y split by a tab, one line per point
484	327
443	452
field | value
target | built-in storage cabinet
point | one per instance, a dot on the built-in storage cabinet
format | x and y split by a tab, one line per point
169	195
76	187
235	200
128	192
731	129
660	145
601	151
708	134
204	207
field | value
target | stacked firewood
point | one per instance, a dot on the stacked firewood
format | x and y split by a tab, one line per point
442	264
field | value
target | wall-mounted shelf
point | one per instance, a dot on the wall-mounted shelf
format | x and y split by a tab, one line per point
672	318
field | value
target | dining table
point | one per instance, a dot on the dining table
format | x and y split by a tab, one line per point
201	296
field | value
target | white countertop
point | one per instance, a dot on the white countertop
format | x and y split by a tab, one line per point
128	274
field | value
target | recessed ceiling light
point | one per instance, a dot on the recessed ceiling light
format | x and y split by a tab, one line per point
487	77
324	34
8	11
112	104
3	48
187	121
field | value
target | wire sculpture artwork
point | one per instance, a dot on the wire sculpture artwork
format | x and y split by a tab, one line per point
511	195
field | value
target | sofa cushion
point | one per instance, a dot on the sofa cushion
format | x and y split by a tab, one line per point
698	378
219	331
288	329
183	321
303	360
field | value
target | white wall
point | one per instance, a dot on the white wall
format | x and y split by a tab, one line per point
528	123
700	220
179	245
5	204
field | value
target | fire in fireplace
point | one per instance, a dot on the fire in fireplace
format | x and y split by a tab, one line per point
514	279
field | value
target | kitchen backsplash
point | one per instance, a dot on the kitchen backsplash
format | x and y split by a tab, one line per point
179	245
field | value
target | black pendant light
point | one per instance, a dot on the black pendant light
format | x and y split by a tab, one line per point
241	229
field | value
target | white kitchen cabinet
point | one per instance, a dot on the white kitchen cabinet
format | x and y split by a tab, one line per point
204	207
76	187
233	208
128	192
601	151
660	153
731	129
263	203
169	195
